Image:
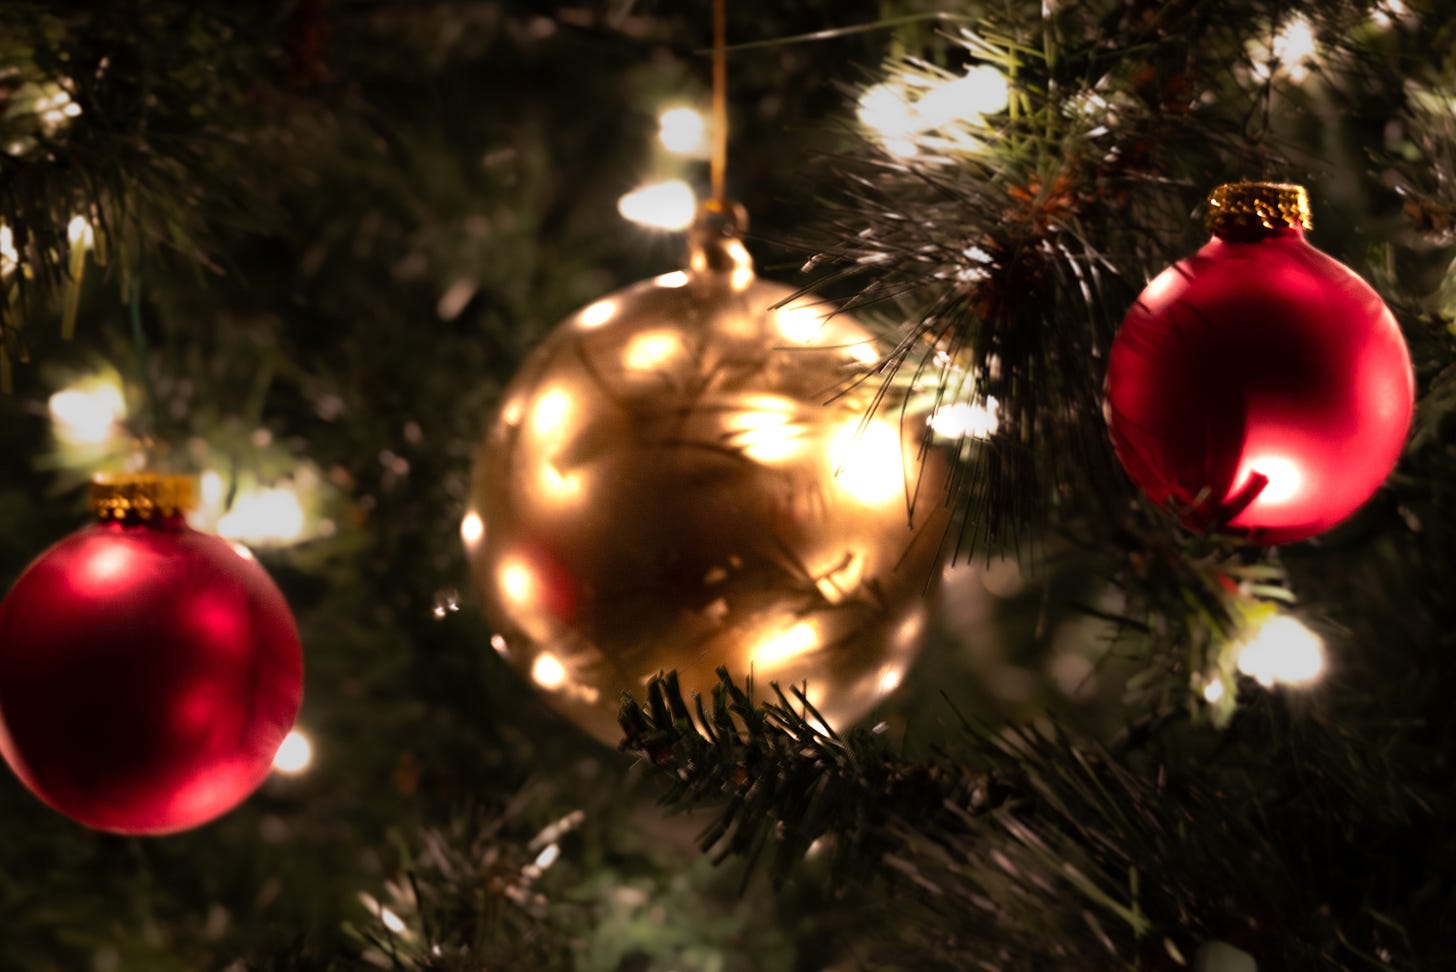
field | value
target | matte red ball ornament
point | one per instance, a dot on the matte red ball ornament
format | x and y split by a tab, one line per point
148	671
1259	385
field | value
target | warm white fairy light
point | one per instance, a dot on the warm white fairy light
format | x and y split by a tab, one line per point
1213	691
983	90
1282	650
1290	52
266	516
87	413
683	131
295	755
668	205
899	115
55	108
964	420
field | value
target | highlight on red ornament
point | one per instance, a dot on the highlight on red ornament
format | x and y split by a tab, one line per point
1259	386
149	672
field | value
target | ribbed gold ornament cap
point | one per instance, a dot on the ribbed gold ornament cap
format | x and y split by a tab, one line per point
119	496
1252	208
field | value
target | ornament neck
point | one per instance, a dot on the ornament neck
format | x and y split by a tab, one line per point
715	248
133	521
1257	234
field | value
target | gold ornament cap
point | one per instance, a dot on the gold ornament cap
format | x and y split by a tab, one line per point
1252	209
120	496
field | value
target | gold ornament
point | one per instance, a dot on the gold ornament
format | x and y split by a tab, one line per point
686	475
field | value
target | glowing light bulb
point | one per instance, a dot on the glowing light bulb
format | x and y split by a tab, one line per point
886	109
1293	48
294	755
1282	650
267	516
982	91
667	205
867	462
683	131
87	414
962	420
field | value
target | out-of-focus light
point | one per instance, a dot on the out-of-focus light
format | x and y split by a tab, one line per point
1282	650
79	232
1293	48
982	91
885	108
667	205
517	582
672	280
472	528
897	116
683	131
267	516
547	671
391	921
9	255
87	414
866	461
1213	691
55	109
295	755
1388	12
963	420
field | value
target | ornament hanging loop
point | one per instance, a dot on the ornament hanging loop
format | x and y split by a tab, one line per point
719	160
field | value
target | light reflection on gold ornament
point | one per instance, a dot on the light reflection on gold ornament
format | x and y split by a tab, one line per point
558	485
551	411
595	315
472	529
651	350
734	507
548	672
781	646
518	583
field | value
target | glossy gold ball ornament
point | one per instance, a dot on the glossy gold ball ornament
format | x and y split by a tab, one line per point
685	475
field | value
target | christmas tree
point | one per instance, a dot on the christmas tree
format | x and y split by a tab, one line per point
1139	660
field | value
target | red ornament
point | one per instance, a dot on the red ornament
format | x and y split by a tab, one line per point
1259	385
148	672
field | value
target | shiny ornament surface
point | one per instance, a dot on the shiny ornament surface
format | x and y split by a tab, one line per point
1259	385
672	483
148	674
